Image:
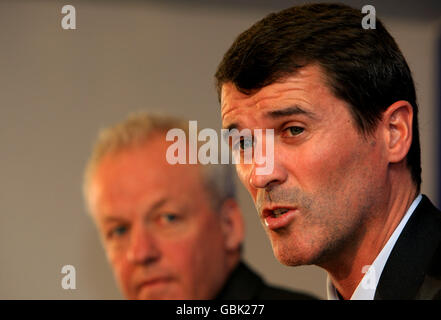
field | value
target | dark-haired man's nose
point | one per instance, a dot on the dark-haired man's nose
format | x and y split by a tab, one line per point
143	247
264	179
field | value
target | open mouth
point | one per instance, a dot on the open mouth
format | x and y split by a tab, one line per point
279	217
279	212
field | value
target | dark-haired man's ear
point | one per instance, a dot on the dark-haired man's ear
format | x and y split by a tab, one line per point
397	120
232	224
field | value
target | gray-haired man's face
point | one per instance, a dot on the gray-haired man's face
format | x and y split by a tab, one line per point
158	227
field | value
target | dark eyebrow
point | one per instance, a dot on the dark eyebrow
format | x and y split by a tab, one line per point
275	114
289	112
232	126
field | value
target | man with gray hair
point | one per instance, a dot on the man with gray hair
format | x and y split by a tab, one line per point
169	231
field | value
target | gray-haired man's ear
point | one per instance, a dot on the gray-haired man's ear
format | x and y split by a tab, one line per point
232	224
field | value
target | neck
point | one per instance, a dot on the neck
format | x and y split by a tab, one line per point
232	262
346	269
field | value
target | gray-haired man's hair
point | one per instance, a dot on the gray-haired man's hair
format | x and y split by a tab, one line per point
137	129
219	181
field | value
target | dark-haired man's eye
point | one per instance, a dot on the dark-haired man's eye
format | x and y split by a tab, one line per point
246	143
295	131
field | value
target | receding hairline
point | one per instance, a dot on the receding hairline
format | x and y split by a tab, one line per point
137	129
141	129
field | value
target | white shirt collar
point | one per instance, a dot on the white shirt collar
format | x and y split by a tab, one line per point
368	284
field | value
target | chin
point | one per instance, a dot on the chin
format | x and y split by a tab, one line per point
289	260
159	294
293	256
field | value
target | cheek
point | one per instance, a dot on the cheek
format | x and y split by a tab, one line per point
201	258
180	254
183	250
190	261
123	271
323	164
344	175
197	246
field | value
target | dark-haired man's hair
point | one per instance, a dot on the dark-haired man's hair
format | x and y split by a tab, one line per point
363	67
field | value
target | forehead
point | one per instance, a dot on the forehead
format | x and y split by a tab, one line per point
307	88
141	175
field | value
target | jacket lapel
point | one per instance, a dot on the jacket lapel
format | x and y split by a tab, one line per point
412	254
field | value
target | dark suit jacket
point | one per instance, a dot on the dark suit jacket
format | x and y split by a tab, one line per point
413	270
245	284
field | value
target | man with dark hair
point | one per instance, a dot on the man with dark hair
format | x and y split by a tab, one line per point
345	190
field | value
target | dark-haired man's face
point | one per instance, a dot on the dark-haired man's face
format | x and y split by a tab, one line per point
327	177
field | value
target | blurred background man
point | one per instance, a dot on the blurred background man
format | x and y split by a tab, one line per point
169	231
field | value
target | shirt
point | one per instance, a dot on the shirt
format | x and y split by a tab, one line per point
368	284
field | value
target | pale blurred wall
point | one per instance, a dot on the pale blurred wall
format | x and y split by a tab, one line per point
58	87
